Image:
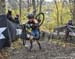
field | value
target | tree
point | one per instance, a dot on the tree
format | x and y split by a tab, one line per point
56	3
34	6
72	9
73	12
2	7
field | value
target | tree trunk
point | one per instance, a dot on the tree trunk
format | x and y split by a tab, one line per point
41	1
34	6
56	3
20	10
73	12
2	7
57	13
28	1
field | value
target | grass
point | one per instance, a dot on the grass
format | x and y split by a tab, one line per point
62	43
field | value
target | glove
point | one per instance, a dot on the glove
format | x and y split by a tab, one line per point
31	25
27	26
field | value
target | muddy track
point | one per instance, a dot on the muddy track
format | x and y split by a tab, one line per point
49	51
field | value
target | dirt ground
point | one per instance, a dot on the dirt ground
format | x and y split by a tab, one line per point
49	51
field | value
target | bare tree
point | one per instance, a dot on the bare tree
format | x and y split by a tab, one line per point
57	12
56	4
29	5
61	16
2	7
41	1
64	3
34	6
73	12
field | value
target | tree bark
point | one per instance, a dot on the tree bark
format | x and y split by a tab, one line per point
57	13
34	7
73	12
2	7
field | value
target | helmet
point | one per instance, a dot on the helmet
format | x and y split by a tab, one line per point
30	16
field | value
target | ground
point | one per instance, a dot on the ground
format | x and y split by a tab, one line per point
49	51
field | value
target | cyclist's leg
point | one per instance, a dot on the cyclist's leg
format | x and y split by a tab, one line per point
31	39
37	34
31	44
38	44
